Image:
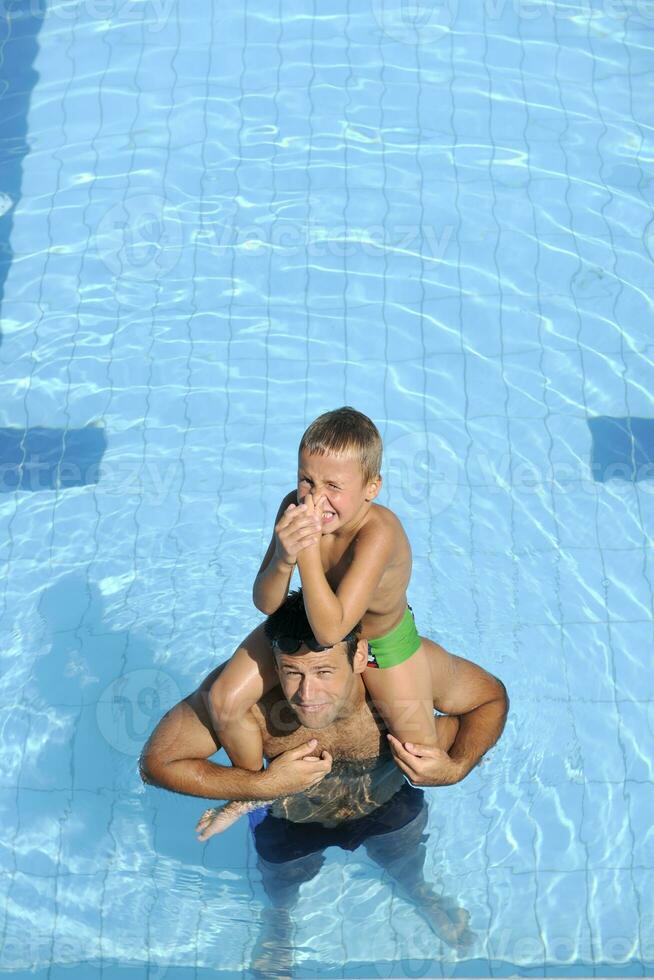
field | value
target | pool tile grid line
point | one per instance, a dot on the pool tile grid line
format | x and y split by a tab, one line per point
189	341
583	389
110	397
384	219
340	905
553	502
501	302
78	315
78	320
3	609
422	224
309	171
221	482
473	578
268	408
35	342
609	229
159	288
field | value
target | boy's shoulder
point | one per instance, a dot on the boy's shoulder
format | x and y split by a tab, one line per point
381	521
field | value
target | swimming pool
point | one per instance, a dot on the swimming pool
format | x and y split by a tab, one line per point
217	224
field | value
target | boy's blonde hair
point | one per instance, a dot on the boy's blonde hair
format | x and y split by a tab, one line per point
344	431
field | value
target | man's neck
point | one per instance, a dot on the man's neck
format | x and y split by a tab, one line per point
353	735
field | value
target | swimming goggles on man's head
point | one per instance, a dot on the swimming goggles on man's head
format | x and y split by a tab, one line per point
291	644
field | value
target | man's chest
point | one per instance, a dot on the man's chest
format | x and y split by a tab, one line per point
354	738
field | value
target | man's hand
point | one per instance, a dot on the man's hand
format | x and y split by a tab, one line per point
297	528
425	765
296	770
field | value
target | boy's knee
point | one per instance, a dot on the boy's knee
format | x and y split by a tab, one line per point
224	703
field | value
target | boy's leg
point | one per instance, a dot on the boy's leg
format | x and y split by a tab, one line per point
246	677
403	697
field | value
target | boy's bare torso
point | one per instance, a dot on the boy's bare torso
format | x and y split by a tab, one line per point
388	602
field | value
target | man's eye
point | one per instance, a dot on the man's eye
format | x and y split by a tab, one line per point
325	673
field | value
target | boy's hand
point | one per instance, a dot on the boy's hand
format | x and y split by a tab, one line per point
296	770
425	765
314	507
296	529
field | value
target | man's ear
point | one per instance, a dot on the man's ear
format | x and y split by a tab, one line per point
360	661
373	488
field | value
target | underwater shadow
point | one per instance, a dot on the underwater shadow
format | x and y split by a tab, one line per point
20	23
101	681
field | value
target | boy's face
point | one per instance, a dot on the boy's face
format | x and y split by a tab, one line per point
339	481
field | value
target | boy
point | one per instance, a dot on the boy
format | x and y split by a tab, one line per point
354	561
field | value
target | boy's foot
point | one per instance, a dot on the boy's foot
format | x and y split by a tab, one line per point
219	818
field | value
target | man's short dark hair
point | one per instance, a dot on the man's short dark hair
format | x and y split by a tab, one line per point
290	620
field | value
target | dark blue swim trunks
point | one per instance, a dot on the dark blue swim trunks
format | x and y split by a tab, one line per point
278	840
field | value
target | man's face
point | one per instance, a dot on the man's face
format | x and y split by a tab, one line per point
320	687
340	481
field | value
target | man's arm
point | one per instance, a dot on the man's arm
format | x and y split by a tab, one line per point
176	758
477	699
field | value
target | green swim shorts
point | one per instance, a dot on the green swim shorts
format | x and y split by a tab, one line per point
397	646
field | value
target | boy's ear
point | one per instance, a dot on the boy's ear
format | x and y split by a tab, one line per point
360	661
373	488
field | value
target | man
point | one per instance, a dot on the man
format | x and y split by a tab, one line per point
334	775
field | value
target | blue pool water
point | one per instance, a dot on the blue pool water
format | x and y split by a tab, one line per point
217	222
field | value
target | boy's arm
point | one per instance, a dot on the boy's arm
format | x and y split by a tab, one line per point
479	701
333	614
274	576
